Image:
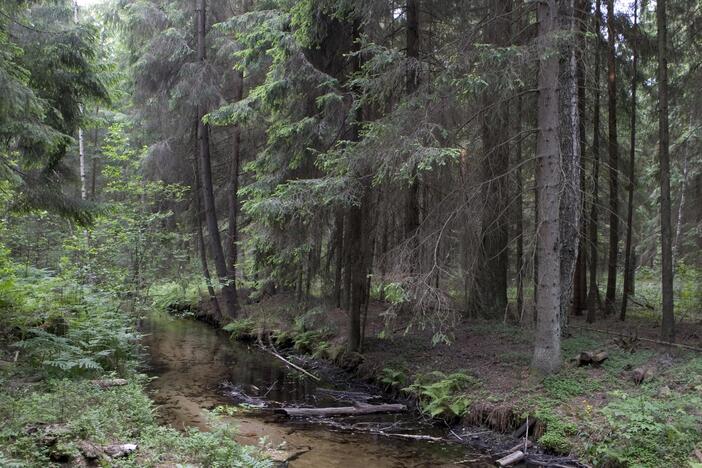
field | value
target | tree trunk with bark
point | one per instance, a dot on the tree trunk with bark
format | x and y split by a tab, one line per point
570	202
203	138
411	83
668	313
232	190
613	147
547	343
628	265
593	290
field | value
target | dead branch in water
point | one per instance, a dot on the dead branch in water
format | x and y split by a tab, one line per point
357	409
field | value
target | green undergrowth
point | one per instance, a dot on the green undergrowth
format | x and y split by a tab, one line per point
442	395
58	340
76	410
595	413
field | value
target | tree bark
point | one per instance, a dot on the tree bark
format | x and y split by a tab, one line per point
519	215
593	290
232	190
668	313
570	202
547	343
628	267
580	278
201	247
613	147
203	138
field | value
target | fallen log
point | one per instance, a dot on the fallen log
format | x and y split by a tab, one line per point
648	340
109	383
590	357
119	450
511	459
358	409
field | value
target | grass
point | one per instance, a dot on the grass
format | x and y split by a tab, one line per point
77	410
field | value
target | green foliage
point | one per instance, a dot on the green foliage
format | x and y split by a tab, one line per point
442	395
83	411
569	383
241	329
649	432
392	378
558	431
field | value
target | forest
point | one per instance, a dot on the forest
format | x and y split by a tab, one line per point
354	233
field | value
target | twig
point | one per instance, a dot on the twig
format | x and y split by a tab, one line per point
269	389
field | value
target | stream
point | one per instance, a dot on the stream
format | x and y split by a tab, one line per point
191	361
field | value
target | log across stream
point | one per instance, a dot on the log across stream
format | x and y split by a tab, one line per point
199	368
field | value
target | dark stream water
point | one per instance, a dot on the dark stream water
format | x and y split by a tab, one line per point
192	360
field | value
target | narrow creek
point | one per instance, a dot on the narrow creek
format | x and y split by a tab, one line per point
191	362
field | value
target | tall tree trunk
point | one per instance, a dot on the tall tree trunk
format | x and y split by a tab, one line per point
357	236
411	83
580	279
340	256
628	267
547	343
201	245
490	293
203	138
519	215
668	313
613	147
681	208
570	202
593	290
94	161
233	188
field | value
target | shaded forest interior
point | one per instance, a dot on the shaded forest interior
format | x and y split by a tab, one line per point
506	183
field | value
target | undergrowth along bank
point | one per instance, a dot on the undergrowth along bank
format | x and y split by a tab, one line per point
62	346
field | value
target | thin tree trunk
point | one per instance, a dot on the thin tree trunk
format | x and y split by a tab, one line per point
580	279
94	162
681	207
203	137
593	292
201	246
340	256
628	267
232	190
519	215
547	343
570	202
668	312
613	146
411	83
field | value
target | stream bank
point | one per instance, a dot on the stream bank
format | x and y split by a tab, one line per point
197	367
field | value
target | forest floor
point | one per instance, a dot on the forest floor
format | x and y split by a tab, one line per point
641	407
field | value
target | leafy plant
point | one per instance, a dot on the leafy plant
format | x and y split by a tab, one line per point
648	432
558	431
241	329
392	378
442	395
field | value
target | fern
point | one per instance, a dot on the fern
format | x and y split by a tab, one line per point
442	395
